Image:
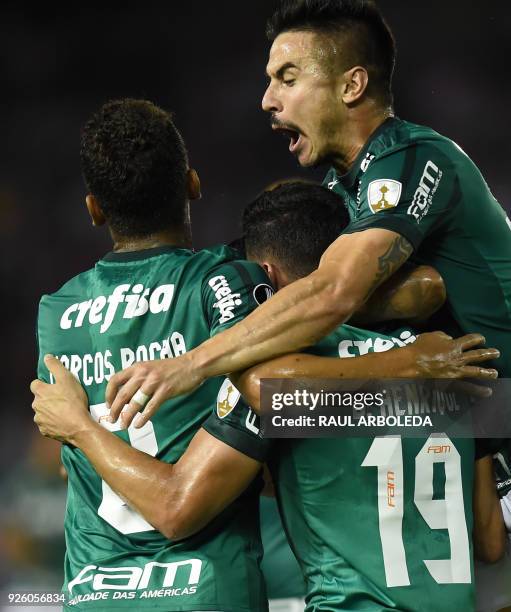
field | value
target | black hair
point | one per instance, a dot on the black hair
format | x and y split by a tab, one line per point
367	39
134	162
294	224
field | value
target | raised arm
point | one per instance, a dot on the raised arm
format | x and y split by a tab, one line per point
308	309
179	499
299	315
433	355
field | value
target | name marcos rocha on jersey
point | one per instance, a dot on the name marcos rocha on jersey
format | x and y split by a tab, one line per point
127	302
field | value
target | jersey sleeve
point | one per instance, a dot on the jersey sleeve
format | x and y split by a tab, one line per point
40	334
231	291
236	424
410	191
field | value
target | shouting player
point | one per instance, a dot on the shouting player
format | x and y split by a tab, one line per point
329	500
410	193
150	298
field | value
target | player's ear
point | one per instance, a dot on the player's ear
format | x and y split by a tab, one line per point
95	212
193	184
354	84
275	274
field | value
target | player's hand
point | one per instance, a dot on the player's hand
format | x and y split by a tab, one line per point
60	409
157	380
440	356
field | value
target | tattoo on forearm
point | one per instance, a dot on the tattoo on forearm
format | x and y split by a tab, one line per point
394	257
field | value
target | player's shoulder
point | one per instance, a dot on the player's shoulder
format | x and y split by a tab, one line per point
53	305
405	142
118	266
398	150
236	424
223	260
221	254
231	288
71	289
207	259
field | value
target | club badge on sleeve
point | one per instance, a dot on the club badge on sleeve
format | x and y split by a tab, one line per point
383	194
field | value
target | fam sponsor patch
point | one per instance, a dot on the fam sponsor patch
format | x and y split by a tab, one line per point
262	292
424	193
154	580
383	194
227	398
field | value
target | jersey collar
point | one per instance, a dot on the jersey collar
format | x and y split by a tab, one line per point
142	254
348	179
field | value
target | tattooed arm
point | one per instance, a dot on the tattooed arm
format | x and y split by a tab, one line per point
297	316
412	294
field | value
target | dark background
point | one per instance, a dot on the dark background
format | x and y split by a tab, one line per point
205	61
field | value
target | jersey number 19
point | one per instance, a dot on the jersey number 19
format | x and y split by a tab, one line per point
448	513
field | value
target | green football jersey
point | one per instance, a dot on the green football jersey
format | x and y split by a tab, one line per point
376	523
415	182
153	304
282	573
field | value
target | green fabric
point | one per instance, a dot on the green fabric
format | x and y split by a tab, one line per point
330	506
281	571
280	568
156	304
447	212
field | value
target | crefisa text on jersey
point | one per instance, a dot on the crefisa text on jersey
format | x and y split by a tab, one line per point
103	309
226	299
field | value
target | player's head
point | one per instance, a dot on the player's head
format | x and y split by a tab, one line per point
329	61
136	170
288	228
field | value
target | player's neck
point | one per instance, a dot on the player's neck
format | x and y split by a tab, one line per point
181	238
355	133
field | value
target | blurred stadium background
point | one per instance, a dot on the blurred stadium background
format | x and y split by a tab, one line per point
205	61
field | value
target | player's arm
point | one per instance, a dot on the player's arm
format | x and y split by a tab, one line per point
308	309
412	294
421	189
489	529
299	315
177	499
432	355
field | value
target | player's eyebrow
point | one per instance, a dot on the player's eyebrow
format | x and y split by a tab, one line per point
282	69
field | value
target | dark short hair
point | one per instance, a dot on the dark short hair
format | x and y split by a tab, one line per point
134	162
293	224
368	39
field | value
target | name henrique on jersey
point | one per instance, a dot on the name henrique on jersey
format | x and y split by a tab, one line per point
376	523
421	185
153	304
